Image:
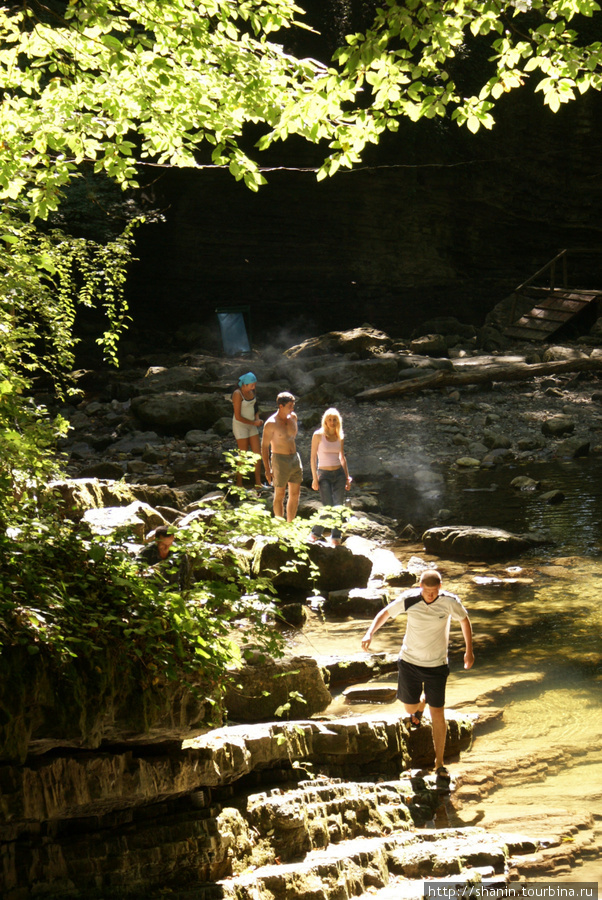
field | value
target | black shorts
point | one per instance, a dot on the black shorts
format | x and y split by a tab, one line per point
413	678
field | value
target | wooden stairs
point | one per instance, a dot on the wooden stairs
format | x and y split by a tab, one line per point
555	308
552	306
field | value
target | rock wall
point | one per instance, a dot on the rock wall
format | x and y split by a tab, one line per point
436	220
133	821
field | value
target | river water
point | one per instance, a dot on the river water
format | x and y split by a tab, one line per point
537	623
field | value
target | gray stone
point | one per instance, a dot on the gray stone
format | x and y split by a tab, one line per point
530	443
104	470
180	409
556	426
553	497
195	437
137	443
222	426
81	450
261	690
468	462
365	341
430	345
495	440
158	379
525	483
574	447
137	517
467	542
558	353
356	602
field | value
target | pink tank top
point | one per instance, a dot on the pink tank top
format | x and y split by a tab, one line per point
328	453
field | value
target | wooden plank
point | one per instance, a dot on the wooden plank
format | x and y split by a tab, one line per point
525	334
572	307
536	324
584	297
548	315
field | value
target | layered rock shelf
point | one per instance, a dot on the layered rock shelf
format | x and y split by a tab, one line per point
260	811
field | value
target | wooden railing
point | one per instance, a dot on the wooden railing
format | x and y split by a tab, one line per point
562	256
552	267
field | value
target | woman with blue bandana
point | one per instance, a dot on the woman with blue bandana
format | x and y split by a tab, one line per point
246	423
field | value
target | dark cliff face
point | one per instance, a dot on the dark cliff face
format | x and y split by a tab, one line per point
437	222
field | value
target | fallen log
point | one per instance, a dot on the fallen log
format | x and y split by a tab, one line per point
481	375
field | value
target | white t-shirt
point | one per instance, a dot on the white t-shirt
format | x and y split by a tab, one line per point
427	629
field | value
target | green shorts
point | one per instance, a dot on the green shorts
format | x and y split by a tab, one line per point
286	469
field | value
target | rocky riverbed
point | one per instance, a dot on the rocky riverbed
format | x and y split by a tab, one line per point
326	806
167	419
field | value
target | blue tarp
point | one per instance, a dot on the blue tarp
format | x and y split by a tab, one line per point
234	332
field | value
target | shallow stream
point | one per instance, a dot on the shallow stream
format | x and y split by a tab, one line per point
537	622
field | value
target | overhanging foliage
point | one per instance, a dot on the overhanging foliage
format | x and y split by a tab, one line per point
177	82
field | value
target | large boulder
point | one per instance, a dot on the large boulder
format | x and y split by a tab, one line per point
177	378
429	345
264	689
136	517
77	495
366	341
180	409
338	568
355	374
558	426
358	602
469	542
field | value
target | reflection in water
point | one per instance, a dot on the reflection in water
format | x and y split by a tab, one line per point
544	628
486	497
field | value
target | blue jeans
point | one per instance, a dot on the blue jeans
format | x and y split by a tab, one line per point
331	485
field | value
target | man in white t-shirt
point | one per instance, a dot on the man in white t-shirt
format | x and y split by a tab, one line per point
423	663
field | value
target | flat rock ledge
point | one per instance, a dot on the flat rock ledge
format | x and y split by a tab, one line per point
327	809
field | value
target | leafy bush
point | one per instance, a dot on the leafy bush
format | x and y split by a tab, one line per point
76	596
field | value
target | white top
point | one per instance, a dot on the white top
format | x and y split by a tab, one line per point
329	453
247	407
427	629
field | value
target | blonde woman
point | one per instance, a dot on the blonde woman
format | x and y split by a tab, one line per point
330	475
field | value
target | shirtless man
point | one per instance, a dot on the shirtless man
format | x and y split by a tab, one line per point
283	466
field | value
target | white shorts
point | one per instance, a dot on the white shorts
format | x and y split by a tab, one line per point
241	430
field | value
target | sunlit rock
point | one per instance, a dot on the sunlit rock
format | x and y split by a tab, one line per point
470	542
266	689
525	483
136	517
338	567
356	602
80	494
365	341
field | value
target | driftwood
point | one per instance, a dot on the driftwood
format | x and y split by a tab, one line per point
481	375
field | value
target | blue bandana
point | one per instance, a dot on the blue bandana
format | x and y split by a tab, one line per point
249	378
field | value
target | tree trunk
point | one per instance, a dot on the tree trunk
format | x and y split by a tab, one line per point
481	375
